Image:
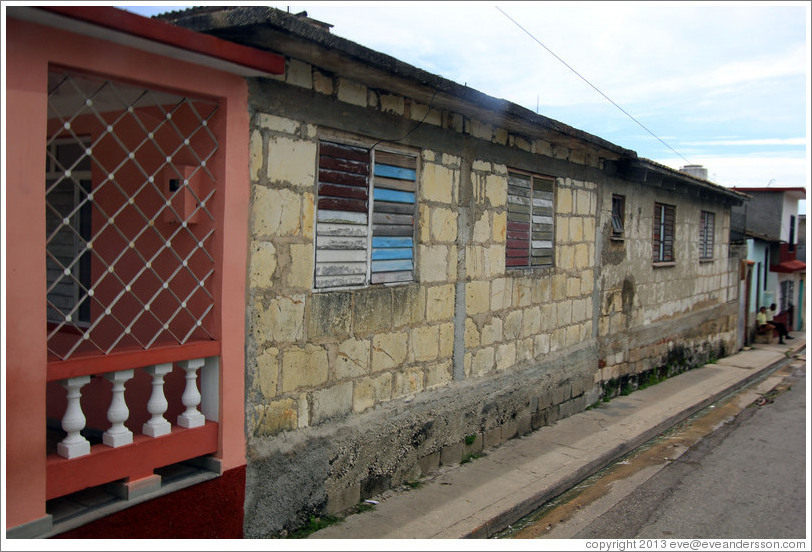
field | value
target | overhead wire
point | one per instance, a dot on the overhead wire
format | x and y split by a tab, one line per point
629	115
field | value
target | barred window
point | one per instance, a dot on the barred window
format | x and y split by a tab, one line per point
618	215
706	224
663	235
365	216
530	220
129	219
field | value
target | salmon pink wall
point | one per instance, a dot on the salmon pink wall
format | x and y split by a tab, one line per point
30	50
25	281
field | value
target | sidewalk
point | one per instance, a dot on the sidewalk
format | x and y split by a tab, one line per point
480	498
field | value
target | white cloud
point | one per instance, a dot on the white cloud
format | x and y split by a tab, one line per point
750	142
751	171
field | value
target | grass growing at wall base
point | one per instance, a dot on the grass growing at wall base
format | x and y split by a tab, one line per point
471	457
679	360
314	524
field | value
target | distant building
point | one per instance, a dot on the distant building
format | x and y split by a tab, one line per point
768	224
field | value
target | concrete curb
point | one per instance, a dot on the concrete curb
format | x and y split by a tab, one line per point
528	506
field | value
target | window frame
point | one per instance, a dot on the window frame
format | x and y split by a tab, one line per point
662	233
382	226
517	233
618	217
707	228
81	182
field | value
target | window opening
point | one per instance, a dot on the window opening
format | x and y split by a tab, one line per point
365	215
792	233
618	215
766	266
663	238
67	225
706	227
530	220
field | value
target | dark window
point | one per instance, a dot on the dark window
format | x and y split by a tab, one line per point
67	226
663	234
530	220
766	266
792	232
618	215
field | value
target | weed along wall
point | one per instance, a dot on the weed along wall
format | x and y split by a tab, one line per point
431	274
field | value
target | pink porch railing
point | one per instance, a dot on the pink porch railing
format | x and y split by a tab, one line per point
130	450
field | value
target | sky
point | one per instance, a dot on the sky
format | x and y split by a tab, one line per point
719	84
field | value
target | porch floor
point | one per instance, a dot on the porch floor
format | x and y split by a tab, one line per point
77	509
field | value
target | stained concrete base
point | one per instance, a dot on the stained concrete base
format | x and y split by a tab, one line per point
480	498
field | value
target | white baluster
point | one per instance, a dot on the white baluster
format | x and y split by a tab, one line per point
74	445
191	396
157	404
118	434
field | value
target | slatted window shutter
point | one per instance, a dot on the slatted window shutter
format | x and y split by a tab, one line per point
541	247
342	216
530	221
393	215
662	241
618	215
518	226
706	235
365	216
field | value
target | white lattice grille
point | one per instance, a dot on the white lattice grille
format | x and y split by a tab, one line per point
129	215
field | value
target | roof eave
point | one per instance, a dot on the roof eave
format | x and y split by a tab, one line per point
732	195
122	27
228	22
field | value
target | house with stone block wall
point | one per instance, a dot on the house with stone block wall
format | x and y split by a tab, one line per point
433	271
426	272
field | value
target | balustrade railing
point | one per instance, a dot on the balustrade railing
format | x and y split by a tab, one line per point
121	453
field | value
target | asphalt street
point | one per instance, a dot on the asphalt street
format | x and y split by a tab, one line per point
746	480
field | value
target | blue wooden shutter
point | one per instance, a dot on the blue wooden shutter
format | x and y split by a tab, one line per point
342	216
393	215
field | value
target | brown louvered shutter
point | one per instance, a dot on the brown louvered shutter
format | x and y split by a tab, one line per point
530	221
342	213
519	220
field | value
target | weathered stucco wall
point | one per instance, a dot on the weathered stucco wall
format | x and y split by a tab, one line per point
352	391
680	313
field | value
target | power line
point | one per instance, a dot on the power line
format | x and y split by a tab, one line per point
592	85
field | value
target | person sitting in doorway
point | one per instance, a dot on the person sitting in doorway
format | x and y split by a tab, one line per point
779	326
764	326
